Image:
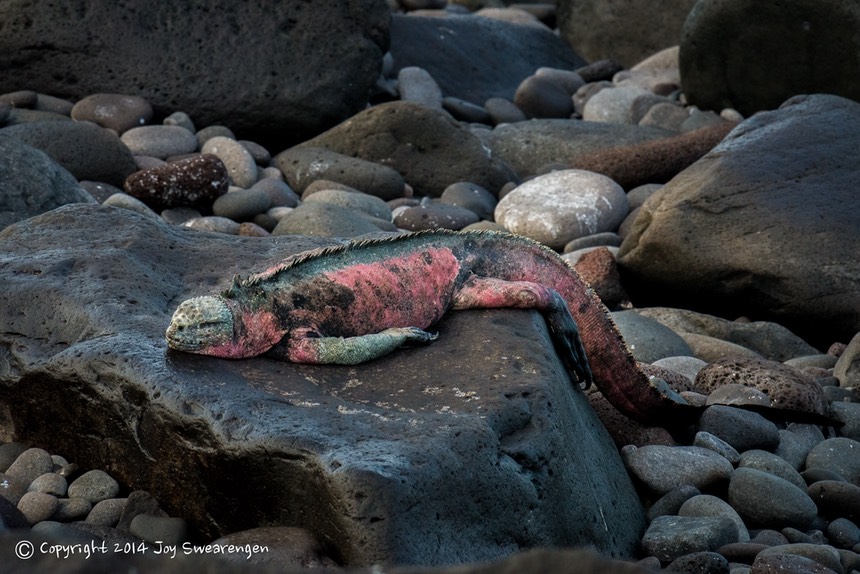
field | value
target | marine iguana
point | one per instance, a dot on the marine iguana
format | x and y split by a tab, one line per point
358	301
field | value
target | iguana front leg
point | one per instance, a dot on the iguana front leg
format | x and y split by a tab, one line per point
487	292
349	350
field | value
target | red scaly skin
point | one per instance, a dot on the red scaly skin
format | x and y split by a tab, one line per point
357	302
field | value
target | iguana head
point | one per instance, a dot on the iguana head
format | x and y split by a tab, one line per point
222	328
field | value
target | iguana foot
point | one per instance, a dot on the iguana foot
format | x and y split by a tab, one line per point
413	334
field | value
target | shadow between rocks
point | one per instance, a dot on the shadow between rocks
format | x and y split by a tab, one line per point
471	448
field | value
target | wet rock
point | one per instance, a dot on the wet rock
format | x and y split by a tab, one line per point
766	500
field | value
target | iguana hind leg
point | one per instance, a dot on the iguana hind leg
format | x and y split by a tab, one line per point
487	293
349	350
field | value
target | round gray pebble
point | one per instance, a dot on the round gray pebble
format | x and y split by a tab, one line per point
769	462
742	429
118	112
648	339
50	483
240	164
106	512
766	500
435	216
369	204
716	444
708	505
210	132
180	119
821	553
841	455
279	192
670	537
843	532
126	201
214	224
94	486
31	464
160	141
470	196
663	468
69	509
417	85
242	204
700	563
671	502
158	528
38	506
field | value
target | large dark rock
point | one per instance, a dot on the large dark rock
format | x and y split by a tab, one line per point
429	148
627	31
471	448
88	151
275	69
765	225
752	55
31	183
475	58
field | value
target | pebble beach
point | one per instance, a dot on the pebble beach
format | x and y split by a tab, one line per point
722	242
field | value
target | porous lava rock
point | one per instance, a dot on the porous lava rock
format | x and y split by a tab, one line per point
471	448
277	70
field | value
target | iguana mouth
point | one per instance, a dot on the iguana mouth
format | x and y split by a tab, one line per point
199	324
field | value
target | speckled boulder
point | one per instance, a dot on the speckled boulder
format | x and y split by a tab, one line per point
787	388
277	70
751	55
561	206
191	181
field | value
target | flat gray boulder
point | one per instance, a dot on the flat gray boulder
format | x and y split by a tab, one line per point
765	225
282	70
474	447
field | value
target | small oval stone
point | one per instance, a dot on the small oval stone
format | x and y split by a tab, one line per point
240	164
435	216
69	509
242	204
214	224
38	506
823	554
708	505
126	201
763	499
840	454
280	194
836	499
699	563
50	483
118	112
670	537
353	200
769	462
94	486
192	181
167	530
787	564
663	468
742	429
470	196
106	512
542	97
31	464
160	141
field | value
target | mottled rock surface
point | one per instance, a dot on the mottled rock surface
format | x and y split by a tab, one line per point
764	225
457	451
309	66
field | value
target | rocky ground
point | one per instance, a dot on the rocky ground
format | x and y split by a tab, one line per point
723	242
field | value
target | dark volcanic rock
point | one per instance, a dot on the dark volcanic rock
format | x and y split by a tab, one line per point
624	30
31	183
88	151
752	55
475	58
453	452
428	147
765	225
280	69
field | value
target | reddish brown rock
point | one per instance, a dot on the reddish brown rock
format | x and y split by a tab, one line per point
655	161
191	181
598	269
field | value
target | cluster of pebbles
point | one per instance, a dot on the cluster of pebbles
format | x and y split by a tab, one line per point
58	500
744	495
